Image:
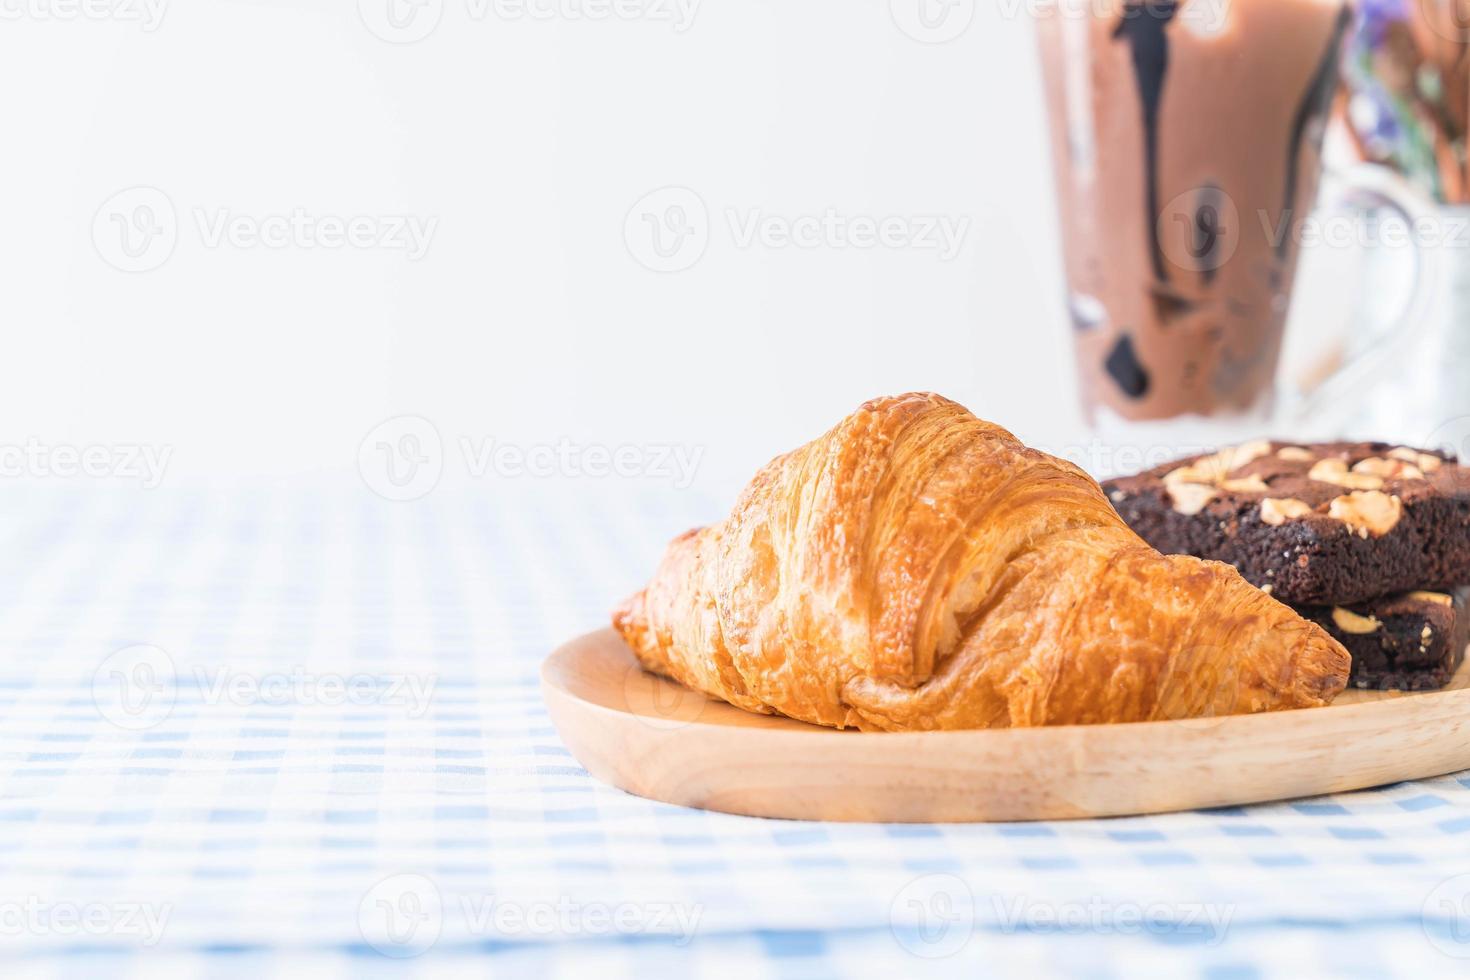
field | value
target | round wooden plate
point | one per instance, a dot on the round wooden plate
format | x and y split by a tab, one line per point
657	739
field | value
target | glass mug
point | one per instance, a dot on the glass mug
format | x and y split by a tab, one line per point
1187	138
1416	392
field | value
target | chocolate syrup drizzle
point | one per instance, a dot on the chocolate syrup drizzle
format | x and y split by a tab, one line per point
1142	25
1315	104
1126	369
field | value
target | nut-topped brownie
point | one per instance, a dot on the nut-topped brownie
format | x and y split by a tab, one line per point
1324	524
1409	642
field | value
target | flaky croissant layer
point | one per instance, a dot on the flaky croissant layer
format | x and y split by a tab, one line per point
917	568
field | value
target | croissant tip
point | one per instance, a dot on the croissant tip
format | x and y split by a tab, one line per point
1334	664
1319	665
626	613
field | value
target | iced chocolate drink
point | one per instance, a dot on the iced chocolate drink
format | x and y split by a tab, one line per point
1186	137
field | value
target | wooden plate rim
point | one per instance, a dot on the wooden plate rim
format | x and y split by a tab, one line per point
1389	703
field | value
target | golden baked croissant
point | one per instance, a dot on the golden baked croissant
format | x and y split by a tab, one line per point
918	568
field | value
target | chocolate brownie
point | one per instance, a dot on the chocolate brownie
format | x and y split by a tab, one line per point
1326	524
1409	642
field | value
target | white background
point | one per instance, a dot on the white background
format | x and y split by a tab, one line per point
527	140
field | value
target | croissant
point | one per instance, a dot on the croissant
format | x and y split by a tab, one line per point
917	568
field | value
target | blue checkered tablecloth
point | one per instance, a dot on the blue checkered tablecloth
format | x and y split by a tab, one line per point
249	732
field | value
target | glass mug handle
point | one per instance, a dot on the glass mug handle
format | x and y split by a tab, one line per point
1366	187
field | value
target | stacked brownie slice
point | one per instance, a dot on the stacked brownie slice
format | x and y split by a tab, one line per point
1370	540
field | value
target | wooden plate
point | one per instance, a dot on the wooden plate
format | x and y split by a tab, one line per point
657	739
